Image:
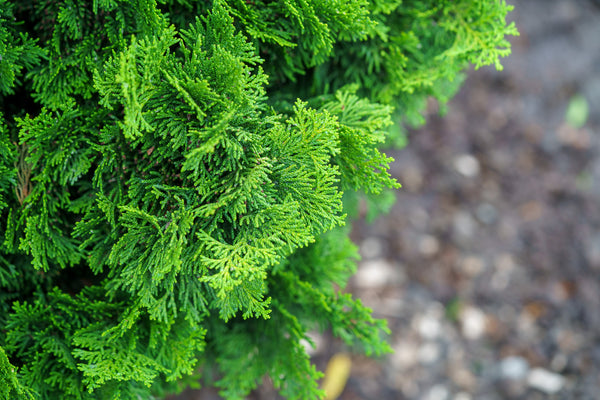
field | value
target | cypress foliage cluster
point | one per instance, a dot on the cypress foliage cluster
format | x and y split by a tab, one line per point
172	181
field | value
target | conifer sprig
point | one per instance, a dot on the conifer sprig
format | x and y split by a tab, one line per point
174	177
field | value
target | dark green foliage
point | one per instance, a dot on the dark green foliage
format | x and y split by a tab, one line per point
174	179
17	50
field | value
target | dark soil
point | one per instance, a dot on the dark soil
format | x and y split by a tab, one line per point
488	267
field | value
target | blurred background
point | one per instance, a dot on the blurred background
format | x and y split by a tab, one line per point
488	267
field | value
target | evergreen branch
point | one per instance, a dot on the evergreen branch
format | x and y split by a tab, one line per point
168	204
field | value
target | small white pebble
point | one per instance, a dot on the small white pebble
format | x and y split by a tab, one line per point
513	368
545	381
374	274
472	265
462	396
429	327
438	392
405	354
429	353
467	165
473	323
317	340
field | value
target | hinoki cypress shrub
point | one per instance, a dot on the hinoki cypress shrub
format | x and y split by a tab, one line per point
172	177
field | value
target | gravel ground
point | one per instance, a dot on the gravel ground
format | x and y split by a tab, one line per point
488	267
495	239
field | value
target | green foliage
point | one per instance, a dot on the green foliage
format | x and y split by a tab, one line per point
10	388
174	178
17	50
413	52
